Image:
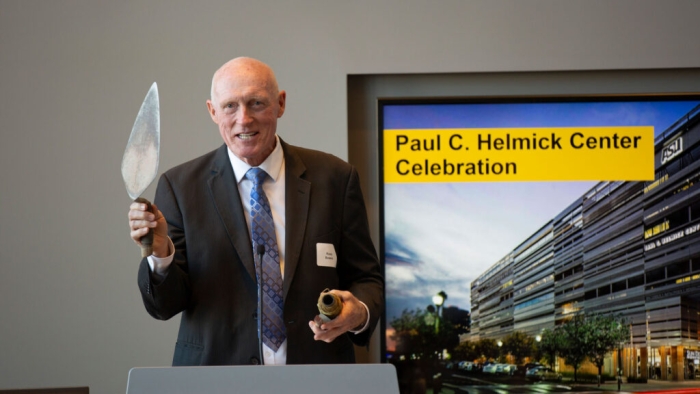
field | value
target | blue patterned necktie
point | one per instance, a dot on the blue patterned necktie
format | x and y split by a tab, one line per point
263	233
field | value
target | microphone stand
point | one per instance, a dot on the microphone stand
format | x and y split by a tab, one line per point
260	252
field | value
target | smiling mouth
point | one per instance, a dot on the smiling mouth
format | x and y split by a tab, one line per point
247	136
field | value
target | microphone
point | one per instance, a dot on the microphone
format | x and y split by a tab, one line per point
260	250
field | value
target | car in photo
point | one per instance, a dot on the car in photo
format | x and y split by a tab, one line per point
465	365
510	369
529	366
541	374
490	368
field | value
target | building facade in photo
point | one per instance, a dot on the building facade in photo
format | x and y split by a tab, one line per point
628	248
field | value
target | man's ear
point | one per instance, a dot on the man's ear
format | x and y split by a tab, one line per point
281	101
212	111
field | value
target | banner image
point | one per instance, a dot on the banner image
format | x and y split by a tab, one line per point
479	196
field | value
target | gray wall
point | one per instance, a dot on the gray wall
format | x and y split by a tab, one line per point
73	74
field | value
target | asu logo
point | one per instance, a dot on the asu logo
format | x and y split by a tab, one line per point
673	149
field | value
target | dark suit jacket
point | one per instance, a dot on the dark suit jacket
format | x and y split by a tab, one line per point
212	277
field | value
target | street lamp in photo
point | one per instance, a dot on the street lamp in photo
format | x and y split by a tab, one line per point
500	352
439	300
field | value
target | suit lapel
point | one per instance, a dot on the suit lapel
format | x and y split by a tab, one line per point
227	200
296	210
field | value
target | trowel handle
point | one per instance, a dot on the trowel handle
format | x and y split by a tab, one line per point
146	240
329	307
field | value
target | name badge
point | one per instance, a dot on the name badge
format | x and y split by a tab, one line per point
325	255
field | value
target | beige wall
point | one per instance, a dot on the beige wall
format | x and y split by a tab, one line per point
73	74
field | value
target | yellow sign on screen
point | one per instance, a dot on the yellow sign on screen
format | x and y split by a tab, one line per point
519	154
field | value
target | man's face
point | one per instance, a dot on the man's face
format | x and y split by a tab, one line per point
245	106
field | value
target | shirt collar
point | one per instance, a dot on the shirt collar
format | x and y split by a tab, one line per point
272	164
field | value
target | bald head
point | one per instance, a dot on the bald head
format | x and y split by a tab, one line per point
244	68
246	103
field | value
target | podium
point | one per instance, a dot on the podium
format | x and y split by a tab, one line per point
287	379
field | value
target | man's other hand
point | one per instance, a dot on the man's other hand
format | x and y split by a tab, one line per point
353	317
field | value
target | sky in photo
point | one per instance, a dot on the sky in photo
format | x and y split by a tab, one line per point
441	236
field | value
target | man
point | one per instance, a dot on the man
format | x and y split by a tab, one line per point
204	261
